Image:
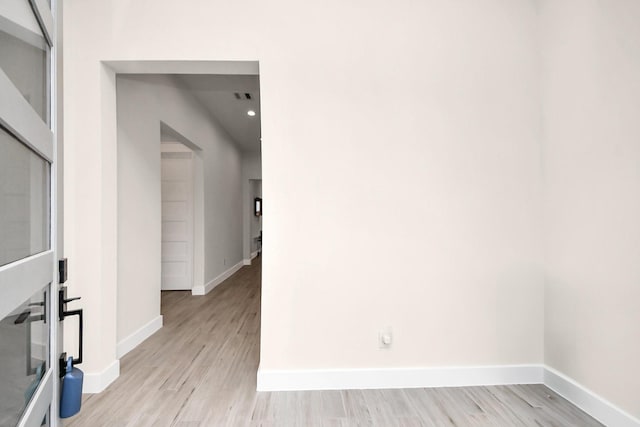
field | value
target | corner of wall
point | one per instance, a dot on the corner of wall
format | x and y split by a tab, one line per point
96	382
212	284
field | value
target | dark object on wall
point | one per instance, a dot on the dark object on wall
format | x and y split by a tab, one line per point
257	206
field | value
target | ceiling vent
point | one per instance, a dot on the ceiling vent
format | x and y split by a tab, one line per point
243	96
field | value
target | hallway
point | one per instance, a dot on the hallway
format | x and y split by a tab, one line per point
200	370
201	366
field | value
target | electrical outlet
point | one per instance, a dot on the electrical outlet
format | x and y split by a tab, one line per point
385	338
225	261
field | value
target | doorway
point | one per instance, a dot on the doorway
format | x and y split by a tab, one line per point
207	117
255	222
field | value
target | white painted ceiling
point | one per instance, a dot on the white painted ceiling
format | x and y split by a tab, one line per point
217	93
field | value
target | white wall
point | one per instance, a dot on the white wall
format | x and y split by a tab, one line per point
404	113
142	103
592	188
403	157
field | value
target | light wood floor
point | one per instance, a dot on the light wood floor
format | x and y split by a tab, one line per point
200	370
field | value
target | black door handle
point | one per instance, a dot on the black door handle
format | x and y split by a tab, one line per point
63	313
80	333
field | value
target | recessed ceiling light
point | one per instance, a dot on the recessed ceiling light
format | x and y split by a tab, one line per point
251	113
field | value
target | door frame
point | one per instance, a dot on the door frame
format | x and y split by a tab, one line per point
101	284
38	271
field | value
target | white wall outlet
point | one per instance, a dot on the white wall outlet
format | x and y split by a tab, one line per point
385	338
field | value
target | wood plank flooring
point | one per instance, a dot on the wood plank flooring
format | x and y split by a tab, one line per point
200	370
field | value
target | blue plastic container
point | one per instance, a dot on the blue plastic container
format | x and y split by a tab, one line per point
71	397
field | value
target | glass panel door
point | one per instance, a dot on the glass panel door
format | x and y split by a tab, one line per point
24	57
24	356
28	315
24	200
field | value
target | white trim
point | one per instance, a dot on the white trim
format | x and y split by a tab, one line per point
16	18
56	207
32	273
45	18
97	382
39	403
380	378
22	121
20	30
594	405
136	338
203	290
248	261
185	67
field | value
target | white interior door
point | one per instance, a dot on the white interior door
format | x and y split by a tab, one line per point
29	329
177	220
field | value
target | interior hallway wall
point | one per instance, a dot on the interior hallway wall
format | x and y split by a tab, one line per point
251	170
142	102
256	221
592	195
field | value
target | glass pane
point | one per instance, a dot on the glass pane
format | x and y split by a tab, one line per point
24	201
24	54
24	347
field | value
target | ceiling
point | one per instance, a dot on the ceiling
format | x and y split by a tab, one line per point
219	94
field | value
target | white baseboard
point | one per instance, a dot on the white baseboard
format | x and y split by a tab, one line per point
97	382
248	261
596	406
346	379
203	290
136	338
